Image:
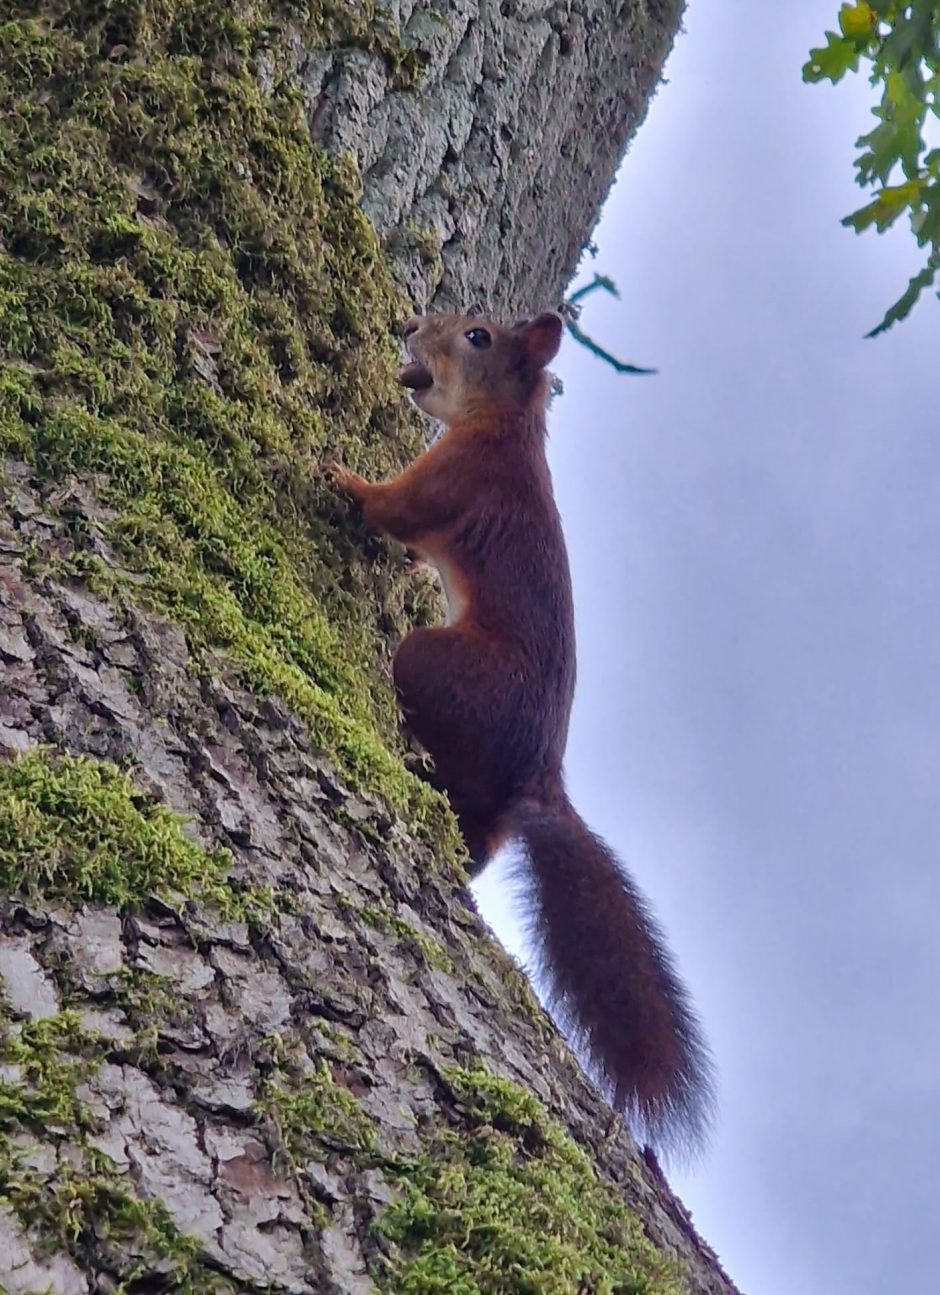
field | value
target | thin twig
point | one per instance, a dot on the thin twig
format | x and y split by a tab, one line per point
608	285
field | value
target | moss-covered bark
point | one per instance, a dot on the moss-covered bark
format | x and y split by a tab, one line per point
193	307
251	1036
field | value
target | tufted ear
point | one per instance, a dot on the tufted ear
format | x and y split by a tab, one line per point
541	338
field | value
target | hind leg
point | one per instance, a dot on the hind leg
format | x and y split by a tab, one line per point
481	836
460	698
458	694
482	841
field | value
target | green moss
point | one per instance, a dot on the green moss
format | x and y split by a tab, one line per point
520	997
151	1004
48	1058
80	829
424	242
312	1114
194	309
81	1205
363	27
509	1205
431	950
88	1212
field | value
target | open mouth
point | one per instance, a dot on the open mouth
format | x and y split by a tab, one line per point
415	376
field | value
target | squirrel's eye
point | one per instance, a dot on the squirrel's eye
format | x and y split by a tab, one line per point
479	338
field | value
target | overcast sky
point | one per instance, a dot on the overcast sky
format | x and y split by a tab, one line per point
755	544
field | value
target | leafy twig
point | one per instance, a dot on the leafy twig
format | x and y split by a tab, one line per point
900	41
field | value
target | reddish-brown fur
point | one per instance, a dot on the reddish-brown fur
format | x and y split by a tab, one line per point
489	697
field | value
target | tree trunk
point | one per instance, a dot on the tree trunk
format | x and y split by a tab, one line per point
493	167
252	1033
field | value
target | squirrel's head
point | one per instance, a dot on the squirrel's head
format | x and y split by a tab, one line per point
463	366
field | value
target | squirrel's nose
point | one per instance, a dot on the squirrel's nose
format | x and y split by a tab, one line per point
412	326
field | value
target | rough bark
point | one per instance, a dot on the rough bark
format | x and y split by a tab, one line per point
497	164
271	1046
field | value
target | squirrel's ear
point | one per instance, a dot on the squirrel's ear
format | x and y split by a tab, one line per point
541	338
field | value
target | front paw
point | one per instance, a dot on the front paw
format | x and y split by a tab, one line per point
350	483
416	561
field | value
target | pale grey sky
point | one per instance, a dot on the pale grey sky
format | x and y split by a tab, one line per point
755	545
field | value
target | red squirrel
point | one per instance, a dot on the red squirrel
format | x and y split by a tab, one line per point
488	695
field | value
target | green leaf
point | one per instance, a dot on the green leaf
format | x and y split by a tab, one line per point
927	224
911	39
905	303
898	138
857	22
832	63
899	41
887	206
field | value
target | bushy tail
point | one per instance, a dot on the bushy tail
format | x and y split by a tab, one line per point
609	979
